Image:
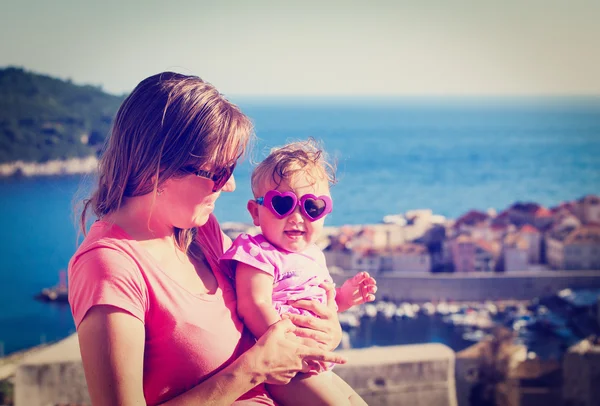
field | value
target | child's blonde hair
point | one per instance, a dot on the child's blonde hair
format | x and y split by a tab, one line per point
284	162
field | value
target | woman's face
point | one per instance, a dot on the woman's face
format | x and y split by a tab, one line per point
188	201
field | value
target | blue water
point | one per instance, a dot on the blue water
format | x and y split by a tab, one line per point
393	155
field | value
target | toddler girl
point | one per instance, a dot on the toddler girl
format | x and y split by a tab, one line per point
283	264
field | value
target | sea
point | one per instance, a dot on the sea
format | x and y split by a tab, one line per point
449	155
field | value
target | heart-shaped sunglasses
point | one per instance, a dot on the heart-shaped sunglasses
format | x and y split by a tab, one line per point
283	204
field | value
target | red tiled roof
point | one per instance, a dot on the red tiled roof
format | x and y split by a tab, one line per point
588	234
570	207
543	212
502	215
501	219
463	239
471	218
485	245
525	207
529	229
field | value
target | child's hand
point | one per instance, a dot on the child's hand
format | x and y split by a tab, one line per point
357	290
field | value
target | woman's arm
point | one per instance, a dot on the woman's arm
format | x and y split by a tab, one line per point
275	359
112	348
254	290
112	352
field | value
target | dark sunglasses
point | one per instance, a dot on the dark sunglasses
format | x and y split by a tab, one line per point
283	204
219	177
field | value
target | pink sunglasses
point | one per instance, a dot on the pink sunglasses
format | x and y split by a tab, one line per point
283	204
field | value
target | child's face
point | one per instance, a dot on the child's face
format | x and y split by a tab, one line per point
294	232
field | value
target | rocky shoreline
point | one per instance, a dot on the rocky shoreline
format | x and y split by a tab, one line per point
57	167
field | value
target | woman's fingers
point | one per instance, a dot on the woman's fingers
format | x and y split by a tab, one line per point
312	338
308	322
312	342
284	324
317	308
315	354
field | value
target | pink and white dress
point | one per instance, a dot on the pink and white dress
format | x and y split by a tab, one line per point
296	275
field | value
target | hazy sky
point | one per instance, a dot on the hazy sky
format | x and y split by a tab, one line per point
282	47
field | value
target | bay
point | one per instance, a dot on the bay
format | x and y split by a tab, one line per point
393	155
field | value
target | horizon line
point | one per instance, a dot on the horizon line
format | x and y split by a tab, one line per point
372	96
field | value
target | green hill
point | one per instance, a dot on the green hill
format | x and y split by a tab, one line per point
43	118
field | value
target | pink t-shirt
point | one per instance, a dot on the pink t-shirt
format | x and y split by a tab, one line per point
296	275
189	337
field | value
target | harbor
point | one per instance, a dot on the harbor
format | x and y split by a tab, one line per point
546	326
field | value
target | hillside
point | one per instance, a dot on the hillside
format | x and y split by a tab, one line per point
43	118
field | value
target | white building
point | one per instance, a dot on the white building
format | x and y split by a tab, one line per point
515	253
589	209
534	243
368	261
574	248
406	258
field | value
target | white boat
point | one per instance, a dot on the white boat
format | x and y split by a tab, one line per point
475	335
428	308
349	320
370	310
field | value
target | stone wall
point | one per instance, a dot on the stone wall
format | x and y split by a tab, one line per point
416	375
581	374
53	375
58	383
478	286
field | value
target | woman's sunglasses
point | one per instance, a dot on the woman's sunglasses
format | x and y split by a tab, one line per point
283	204
219	177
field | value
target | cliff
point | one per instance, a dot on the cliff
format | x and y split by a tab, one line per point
48	125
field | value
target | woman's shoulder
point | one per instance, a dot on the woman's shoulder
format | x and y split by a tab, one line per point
105	271
104	232
104	237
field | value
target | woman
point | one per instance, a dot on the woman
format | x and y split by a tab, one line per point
155	316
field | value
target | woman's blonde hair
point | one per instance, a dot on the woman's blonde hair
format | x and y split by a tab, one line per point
284	162
169	122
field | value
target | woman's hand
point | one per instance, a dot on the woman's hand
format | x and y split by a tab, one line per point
324	329
279	354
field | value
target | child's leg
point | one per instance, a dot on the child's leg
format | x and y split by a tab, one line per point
308	389
353	397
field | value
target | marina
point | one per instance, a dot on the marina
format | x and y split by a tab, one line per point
546	326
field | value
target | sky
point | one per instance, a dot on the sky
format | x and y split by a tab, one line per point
331	48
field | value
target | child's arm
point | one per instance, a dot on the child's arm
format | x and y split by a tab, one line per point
357	290
254	289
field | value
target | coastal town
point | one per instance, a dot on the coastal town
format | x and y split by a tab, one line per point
523	237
